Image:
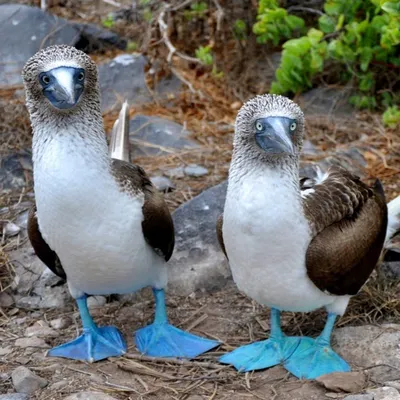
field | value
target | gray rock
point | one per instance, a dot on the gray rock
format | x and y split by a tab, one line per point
25	381
25	30
96	301
28	302
367	346
385	393
40	329
11	229
94	38
6	300
60	323
195	170
55	297
14	396
89	396
122	79
198	262
175	172
327	102
34	342
13	167
153	136
49	278
162	183
359	397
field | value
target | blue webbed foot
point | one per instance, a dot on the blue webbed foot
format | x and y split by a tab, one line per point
260	355
314	358
164	340
266	353
161	339
93	345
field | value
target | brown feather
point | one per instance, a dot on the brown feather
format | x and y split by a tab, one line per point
41	248
341	257
157	224
220	237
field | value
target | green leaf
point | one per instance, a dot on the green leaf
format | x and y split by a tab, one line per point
366	54
391	117
326	24
340	22
391	8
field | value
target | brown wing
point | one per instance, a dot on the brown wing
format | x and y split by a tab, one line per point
220	237
157	225
41	248
349	225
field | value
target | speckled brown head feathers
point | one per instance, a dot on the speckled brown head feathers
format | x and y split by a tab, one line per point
57	56
268	105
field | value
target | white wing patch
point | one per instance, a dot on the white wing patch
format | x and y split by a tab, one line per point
307	192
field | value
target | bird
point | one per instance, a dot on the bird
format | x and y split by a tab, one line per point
294	244
98	221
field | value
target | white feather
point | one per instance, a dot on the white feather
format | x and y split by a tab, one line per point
95	229
266	236
393	219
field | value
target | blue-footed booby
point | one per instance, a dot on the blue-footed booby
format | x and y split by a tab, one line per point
294	245
98	222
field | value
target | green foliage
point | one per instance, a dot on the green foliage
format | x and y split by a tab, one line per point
131	46
147	14
391	117
108	22
204	54
197	10
144	3
240	29
274	23
356	35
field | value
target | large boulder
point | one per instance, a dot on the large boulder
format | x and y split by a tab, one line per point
123	78
198	262
157	136
24	30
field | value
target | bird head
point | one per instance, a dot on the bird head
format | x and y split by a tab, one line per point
270	127
60	75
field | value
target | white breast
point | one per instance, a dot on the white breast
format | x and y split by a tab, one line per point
266	237
94	228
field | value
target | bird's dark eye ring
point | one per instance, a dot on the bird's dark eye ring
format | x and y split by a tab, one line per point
81	76
45	79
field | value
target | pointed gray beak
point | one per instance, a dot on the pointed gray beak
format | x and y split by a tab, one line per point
274	134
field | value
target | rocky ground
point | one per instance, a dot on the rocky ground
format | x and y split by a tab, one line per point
181	132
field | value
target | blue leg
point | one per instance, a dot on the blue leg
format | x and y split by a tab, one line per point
160	339
314	358
266	353
95	343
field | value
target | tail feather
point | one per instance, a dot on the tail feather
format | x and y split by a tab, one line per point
393	220
119	142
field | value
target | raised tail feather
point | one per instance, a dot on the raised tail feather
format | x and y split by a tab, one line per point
119	142
393	221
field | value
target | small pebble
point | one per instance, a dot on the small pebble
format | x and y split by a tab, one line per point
195	170
40	329
175	172
31	342
6	300
90	396
385	393
60	323
96	301
5	350
162	183
12	229
58	385
14	396
25	381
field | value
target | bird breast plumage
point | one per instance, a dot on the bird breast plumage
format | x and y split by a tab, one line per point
95	229
266	236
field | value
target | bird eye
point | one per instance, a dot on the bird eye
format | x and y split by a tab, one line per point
45	79
293	126
259	126
81	76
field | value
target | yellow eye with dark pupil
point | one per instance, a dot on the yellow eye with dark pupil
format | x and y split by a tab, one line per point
293	126
259	126
81	76
45	79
